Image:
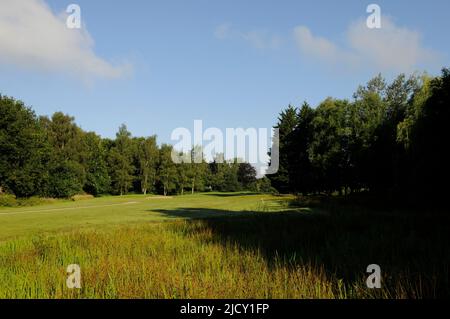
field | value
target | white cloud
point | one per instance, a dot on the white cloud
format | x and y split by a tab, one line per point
389	48
320	48
32	37
260	39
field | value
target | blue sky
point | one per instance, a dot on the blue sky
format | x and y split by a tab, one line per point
158	65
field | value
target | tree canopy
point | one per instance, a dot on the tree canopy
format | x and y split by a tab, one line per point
54	157
390	140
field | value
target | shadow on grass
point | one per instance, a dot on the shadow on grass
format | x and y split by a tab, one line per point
344	242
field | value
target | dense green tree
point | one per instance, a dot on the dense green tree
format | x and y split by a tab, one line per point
230	176
197	169
329	146
64	180
287	122
429	170
23	150
120	162
263	185
147	155
302	174
387	141
386	156
97	177
67	174
246	175
167	170
65	137
183	168
224	174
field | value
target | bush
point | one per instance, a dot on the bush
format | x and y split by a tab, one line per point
34	201
7	200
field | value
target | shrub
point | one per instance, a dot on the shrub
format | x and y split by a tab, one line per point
7	200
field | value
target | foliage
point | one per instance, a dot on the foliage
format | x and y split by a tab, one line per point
53	157
389	140
8	200
23	149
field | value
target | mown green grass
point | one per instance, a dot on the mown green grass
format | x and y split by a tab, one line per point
219	246
114	210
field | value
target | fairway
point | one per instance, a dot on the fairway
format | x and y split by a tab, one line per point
115	210
138	247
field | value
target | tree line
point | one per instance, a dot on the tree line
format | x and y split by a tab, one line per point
390	139
54	157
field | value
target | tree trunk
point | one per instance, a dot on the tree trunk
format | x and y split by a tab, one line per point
144	189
